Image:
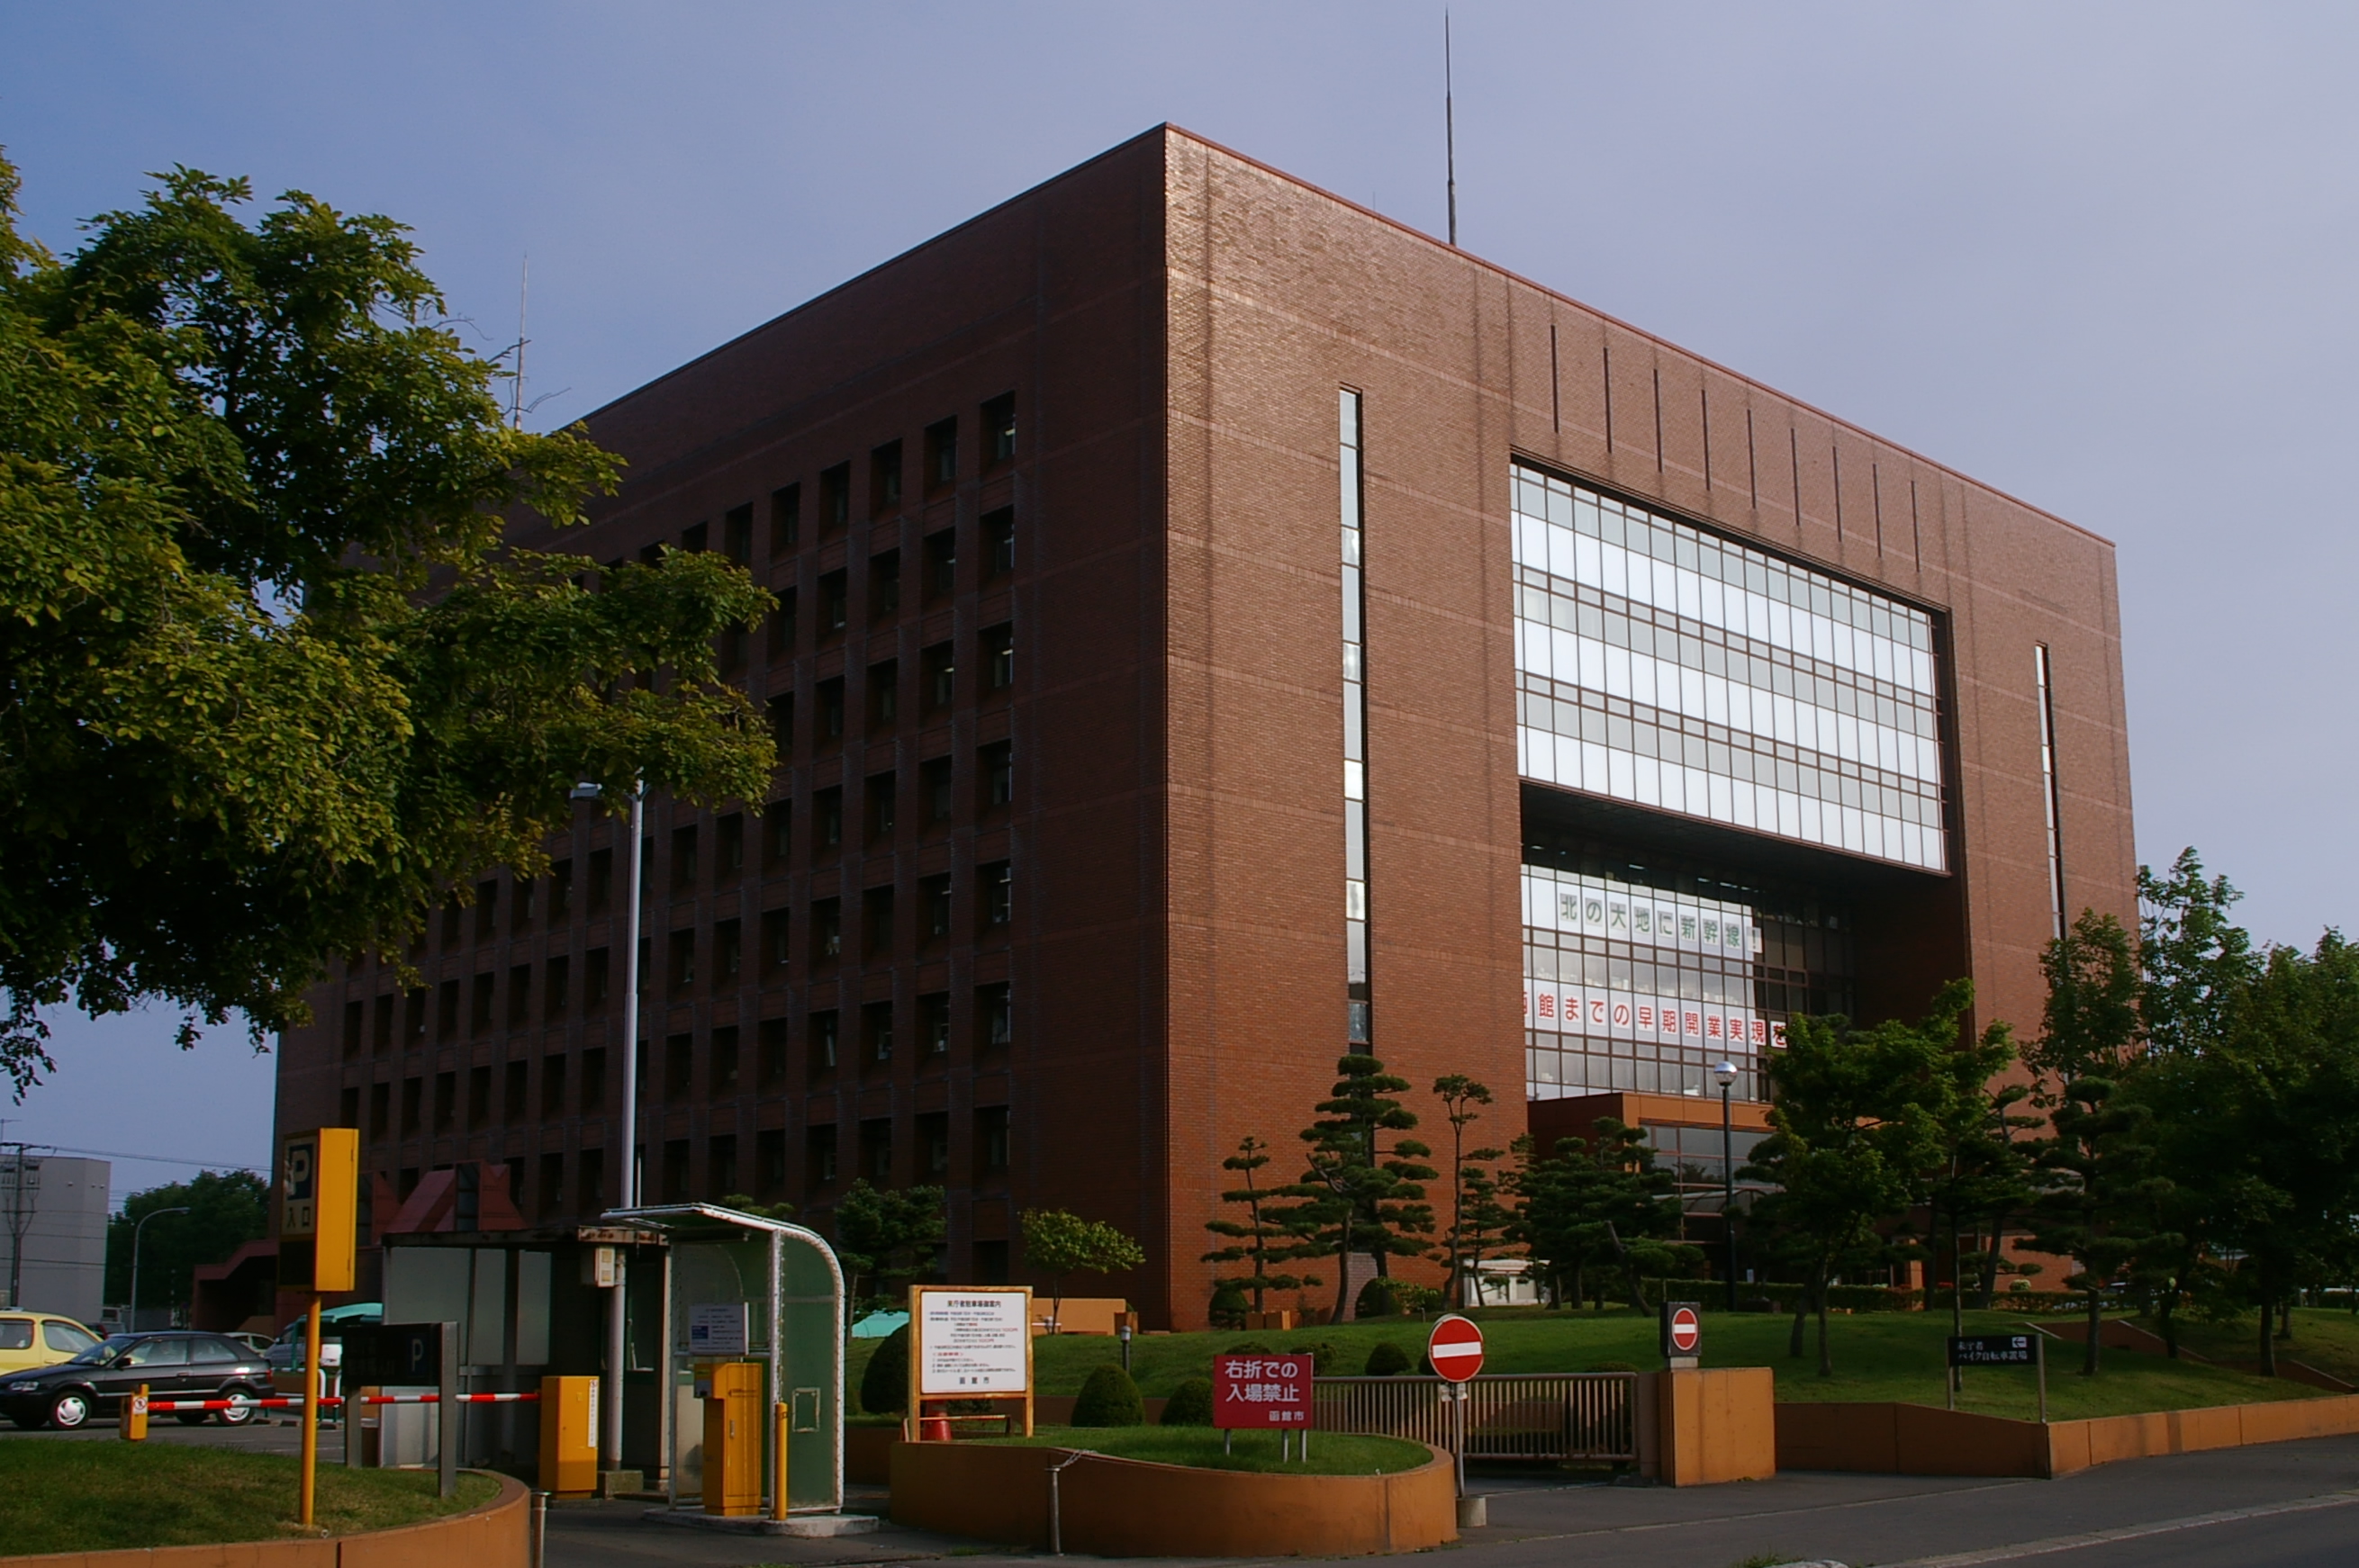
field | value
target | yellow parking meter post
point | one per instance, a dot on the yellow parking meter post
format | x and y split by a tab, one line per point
134	1415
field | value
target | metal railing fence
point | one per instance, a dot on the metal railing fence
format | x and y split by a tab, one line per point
1510	1415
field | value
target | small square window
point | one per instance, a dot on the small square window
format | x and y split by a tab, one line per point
941	454
991	1140
876	1032
728	954
777	933
683	859
998	769
729	845
885	586
834	602
824	1041
835	498
995	1011
681	971
830	711
884	694
692	538
942	563
827	930
937	677
778	833
999	431
827	817
774	1051
998	880
934	1022
885	478
883	794
934	907
781	710
785	519
934	784
819	1156
997	645
877	913
737	534
999	543
724	1079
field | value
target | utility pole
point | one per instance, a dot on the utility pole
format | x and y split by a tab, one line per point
20	1219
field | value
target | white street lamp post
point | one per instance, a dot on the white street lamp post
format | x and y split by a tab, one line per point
617	1325
132	1317
1726	1076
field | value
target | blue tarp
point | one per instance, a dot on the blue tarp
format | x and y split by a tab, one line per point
879	1324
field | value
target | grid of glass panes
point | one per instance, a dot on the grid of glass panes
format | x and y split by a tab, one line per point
1355	728
1646	988
1667	666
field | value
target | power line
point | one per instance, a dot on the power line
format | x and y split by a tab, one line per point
151	1159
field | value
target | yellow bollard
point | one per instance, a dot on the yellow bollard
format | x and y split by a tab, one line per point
779	1461
134	1415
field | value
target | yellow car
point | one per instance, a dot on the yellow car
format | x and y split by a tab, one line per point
30	1340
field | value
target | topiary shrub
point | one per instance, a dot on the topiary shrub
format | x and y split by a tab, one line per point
1191	1404
1376	1300
1386	1360
1109	1399
1230	1304
885	1385
1325	1355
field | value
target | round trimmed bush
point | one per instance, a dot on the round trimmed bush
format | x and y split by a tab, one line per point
1109	1399
885	1383
1377	1299
1191	1404
1325	1355
1386	1360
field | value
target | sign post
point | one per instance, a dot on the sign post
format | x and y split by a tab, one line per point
319	1211
2003	1350
1455	1350
1263	1393
968	1341
1682	1335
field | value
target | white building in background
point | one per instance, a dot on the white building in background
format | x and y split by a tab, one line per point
53	1215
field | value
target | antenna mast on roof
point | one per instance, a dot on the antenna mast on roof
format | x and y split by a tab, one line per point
515	391
1449	126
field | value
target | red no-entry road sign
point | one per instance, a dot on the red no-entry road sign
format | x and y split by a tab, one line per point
1455	1349
1684	1330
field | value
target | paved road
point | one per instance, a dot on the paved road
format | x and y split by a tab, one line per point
260	1435
2284	1506
2290	1505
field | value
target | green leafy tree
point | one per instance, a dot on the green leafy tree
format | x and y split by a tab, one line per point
1596	1207
1265	1234
1854	1127
1363	1183
1060	1243
2099	1184
272	675
887	1238
226	1210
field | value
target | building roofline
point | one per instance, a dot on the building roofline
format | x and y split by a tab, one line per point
1167	128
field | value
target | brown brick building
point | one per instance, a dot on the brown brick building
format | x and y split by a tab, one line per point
1219	622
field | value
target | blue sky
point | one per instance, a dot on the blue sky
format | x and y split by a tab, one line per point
2098	255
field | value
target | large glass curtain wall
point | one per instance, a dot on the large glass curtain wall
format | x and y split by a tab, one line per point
1669	668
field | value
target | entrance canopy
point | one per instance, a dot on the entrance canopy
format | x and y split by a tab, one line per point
743	1288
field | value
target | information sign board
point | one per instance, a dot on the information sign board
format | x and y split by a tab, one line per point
971	1340
1262	1391
1993	1350
716	1329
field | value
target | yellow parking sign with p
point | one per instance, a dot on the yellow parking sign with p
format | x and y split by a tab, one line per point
319	1209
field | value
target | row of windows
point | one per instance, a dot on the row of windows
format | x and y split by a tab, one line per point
1661	665
940	450
550	900
875	933
832	1153
729	1062
881	704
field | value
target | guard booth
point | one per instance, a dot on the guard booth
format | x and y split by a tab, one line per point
740	1289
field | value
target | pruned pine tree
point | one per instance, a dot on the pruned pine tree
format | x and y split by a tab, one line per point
1595	1202
1363	1187
1265	1235
1459	1097
1853	1129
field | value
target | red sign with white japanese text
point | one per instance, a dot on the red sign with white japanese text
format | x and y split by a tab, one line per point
1255	1390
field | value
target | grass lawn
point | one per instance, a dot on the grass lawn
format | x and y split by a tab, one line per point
1332	1453
2323	1337
61	1495
1878	1355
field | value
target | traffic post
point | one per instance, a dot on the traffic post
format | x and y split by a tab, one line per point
1682	1335
1454	1350
319	1214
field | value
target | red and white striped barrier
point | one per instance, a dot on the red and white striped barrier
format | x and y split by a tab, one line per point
331	1401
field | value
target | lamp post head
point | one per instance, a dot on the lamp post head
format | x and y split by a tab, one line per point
588	790
1725	1074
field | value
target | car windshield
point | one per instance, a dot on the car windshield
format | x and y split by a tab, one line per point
104	1351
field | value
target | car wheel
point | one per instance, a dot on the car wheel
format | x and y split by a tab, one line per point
237	1414
69	1411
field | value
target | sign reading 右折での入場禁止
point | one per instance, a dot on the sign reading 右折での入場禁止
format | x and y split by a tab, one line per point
1260	1390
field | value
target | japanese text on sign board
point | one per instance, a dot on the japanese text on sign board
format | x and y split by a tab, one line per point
1991	1350
974	1341
1261	1390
